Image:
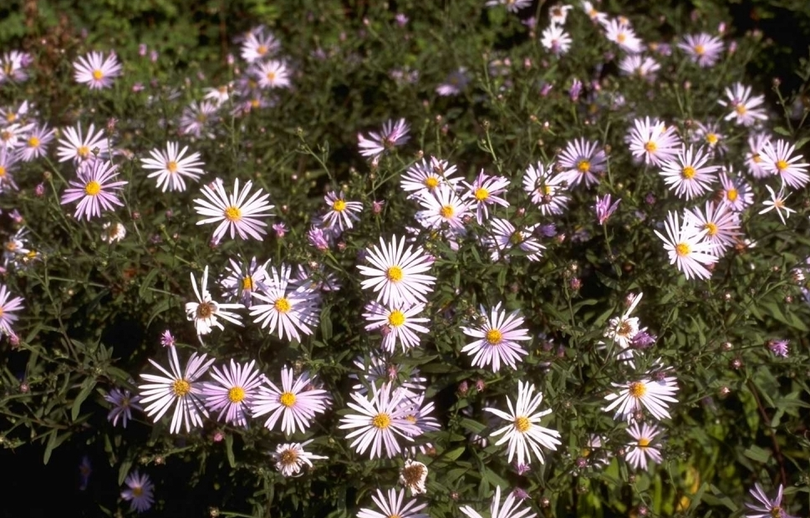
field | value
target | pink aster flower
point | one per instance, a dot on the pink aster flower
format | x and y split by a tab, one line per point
581	161
604	209
236	212
497	339
7	310
653	141
486	190
96	71
779	158
233	391
393	134
764	507
95	189
703	49
295	404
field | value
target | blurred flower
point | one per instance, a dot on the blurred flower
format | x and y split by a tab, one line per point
604	209
753	158
196	117
243	279
497	336
8	306
746	110
96	71
639	66
620	32
509	509
36	143
85	470
779	347
558	13
12	67
393	134
703	49
455	83
764	507
139	494
556	40
291	457
259	45
123	403
113	232
237	213
171	167
271	74
166	339
777	202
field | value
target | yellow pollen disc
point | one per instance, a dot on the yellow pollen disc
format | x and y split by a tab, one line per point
756	158
431	182
740	109
287	399
33	142
637	390
522	424
236	395
171	167
289	457
11	117
700	50
516	238
98	74
5	135
271	76
381	421
201	117
339	205
262	50
688	172
254	103
233	214
247	283
643	442
494	337
181	387
2	171
396	318
137	491
711	227
547	189
781	165
731	195
776	512
682	249
205	310
481	194
621	37
92	188
83	151
625	328
394	274
282	305
650	147
583	166
712	139
447	212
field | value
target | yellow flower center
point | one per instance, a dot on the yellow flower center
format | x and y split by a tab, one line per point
233	213
394	274
271	76
621	37
201	118
643	442
396	318
494	337
236	395
756	158
583	166
776	512
712	139
682	249
431	182
688	172
262	50
289	457
481	194
732	194
447	211
781	165
700	50
711	227
282	305
33	142
650	147
522	424
339	205
205	310
98	74
2	171
92	188
381	421
171	167
11	117
83	151
637	390
181	387
516	238
247	283
740	109
287	399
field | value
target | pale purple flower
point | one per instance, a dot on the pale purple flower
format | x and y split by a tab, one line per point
97	71
295	404
393	134
95	189
604	209
764	507
123	403
779	347
139	492
233	391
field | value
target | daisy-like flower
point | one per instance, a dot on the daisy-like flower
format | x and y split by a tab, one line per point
509	509
341	213
123	402
593	14
721	224
219	95
397	276
443	207
688	175
524	433
16	247
620	32
425	177
764	507
13	65
378	421
399	324
243	279
710	135
497	339
205	312
197	118
237	213
581	161
14	135
558	13
753	158
233	391
745	109
777	202
413	476
171	167
703	49
639	66
8	163
687	247
139	492
505	237
179	389
291	457
455	83
295	404
95	189
556	40
259	45
36	143
512	6
293	309
547	191
649	394
653	141
777	160
272	74
113	232
392	505
643	447
96	71
393	134
486	190
8	306
623	330
736	193
80	148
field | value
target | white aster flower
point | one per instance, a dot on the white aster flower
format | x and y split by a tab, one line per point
392	505
497	339
294	405
206	312
237	213
397	276
290	307
644	394
291	457
172	167
687	247
643	448
398	324
233	391
509	509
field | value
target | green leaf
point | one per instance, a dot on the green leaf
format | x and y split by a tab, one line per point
87	387
123	470
758	454
229	450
